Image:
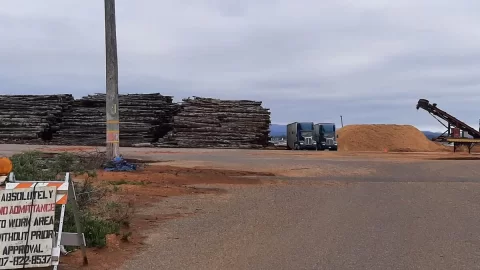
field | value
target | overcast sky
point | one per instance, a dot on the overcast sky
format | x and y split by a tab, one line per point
307	60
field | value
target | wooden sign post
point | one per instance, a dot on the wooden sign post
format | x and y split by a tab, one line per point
27	215
112	104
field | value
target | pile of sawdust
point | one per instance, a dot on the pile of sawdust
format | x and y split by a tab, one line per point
392	138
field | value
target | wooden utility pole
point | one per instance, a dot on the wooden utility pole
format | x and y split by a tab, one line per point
112	109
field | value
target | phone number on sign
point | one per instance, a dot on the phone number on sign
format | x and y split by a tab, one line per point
22	260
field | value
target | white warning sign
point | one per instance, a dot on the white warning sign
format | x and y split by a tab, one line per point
27	227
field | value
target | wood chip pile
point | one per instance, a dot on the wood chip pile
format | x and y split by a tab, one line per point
214	123
144	118
381	137
31	118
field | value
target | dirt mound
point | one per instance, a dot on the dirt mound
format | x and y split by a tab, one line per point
393	138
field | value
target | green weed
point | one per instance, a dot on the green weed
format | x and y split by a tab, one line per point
100	214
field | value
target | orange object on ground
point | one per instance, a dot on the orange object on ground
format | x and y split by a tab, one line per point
6	166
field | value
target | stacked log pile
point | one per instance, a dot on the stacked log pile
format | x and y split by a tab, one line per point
214	123
144	118
31	118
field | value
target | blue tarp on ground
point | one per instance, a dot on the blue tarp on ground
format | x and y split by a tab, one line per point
119	164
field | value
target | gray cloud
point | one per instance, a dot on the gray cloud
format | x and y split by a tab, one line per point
369	61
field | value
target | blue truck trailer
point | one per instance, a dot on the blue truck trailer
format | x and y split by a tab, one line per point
324	135
300	136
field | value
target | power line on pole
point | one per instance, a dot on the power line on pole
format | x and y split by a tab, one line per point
112	108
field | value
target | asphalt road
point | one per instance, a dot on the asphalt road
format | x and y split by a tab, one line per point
360	226
401	215
358	212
